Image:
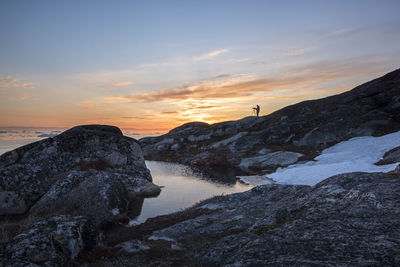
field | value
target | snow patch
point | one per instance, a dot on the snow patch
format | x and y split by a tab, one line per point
355	155
153	237
255	180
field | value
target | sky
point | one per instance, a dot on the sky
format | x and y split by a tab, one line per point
154	65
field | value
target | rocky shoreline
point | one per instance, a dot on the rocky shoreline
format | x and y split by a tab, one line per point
67	200
297	133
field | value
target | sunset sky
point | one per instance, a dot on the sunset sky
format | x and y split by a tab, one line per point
153	65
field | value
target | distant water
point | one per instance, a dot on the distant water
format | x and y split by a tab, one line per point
13	137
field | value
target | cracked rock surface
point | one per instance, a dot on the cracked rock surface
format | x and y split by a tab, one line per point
350	219
51	242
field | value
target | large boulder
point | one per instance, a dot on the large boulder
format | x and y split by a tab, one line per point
88	170
51	242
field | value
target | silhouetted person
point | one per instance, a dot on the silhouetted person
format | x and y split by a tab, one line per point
257	110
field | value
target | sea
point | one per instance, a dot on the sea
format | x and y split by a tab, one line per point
13	137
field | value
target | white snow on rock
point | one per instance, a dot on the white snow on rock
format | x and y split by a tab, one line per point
255	180
154	237
355	155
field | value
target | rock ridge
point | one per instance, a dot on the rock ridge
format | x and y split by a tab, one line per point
305	128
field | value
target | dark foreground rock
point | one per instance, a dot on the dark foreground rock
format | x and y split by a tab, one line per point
297	132
88	170
52	242
347	220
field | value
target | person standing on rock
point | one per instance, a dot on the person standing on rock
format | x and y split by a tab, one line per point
257	110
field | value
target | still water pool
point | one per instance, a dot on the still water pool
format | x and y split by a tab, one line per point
181	189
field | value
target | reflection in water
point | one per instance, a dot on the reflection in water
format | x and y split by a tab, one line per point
181	189
135	207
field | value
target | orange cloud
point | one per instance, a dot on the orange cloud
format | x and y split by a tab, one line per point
230	97
19	96
169	112
116	85
245	86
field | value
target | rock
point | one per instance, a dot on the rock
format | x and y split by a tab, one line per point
348	220
270	160
307	128
88	170
92	193
51	242
390	157
397	170
255	180
228	140
132	246
11	202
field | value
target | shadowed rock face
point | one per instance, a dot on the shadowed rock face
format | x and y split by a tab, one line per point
306	128
350	219
91	169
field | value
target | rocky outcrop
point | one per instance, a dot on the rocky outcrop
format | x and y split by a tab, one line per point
52	242
305	128
347	220
88	170
278	158
392	156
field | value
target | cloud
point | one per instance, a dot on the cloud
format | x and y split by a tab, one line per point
15	88
169	112
119	84
247	85
116	85
201	90
343	32
297	51
19	96
210	54
8	82
220	76
204	107
205	100
136	117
